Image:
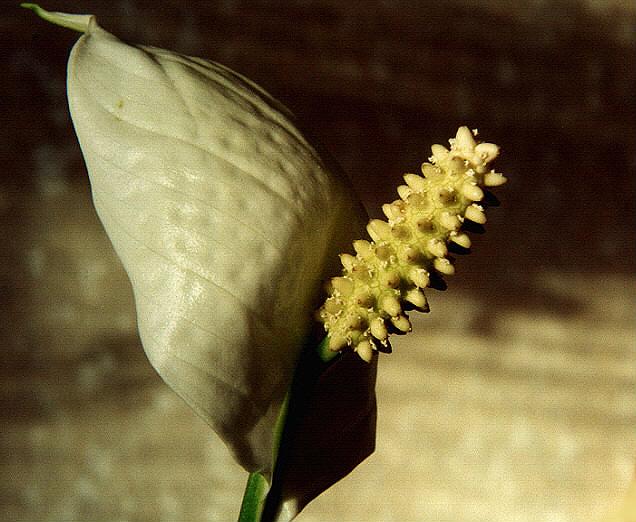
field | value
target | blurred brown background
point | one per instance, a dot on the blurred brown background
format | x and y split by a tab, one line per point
512	401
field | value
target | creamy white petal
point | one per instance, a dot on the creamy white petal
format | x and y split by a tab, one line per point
224	216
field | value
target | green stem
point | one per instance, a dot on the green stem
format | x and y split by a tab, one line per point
253	498
260	501
325	354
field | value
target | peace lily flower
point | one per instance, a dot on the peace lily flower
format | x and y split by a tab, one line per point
227	220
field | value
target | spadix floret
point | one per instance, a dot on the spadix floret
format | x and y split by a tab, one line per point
410	246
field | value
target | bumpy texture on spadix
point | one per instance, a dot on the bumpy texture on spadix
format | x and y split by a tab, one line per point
389	274
223	216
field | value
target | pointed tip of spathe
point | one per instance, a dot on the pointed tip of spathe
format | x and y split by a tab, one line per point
77	22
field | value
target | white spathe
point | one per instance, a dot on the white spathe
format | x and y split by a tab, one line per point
225	219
